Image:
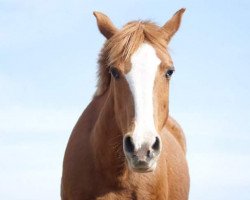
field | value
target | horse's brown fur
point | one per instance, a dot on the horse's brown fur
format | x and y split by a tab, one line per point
94	165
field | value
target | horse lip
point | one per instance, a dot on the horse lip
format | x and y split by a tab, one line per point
140	167
142	170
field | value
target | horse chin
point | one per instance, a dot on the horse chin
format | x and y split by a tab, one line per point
140	170
145	169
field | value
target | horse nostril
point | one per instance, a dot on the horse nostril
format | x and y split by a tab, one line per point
129	145
148	153
156	145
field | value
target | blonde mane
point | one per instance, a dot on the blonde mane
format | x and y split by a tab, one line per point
119	48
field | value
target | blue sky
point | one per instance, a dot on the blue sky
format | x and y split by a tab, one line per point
48	53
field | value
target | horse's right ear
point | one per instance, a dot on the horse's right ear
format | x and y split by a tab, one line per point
105	25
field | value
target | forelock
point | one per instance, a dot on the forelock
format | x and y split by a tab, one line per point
124	43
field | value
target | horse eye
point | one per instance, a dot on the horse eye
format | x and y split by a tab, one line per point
114	72
169	73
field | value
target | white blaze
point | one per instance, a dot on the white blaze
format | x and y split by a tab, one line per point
141	81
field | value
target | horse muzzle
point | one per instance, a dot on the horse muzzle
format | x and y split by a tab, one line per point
144	158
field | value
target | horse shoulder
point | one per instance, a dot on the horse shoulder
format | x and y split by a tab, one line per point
78	165
174	151
175	129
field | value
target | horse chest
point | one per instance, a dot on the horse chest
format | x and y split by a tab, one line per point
132	195
140	190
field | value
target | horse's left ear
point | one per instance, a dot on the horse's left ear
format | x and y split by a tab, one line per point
105	25
172	26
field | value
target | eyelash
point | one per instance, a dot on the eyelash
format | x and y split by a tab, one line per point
114	72
169	73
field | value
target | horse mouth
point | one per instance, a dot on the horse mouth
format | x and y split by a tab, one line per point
142	167
142	170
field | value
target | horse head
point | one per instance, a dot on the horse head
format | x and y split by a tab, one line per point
136	67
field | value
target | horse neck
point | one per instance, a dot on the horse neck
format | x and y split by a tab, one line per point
107	141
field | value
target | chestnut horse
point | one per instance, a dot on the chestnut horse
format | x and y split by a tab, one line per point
125	145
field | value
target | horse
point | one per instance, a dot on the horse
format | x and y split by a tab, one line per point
125	145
